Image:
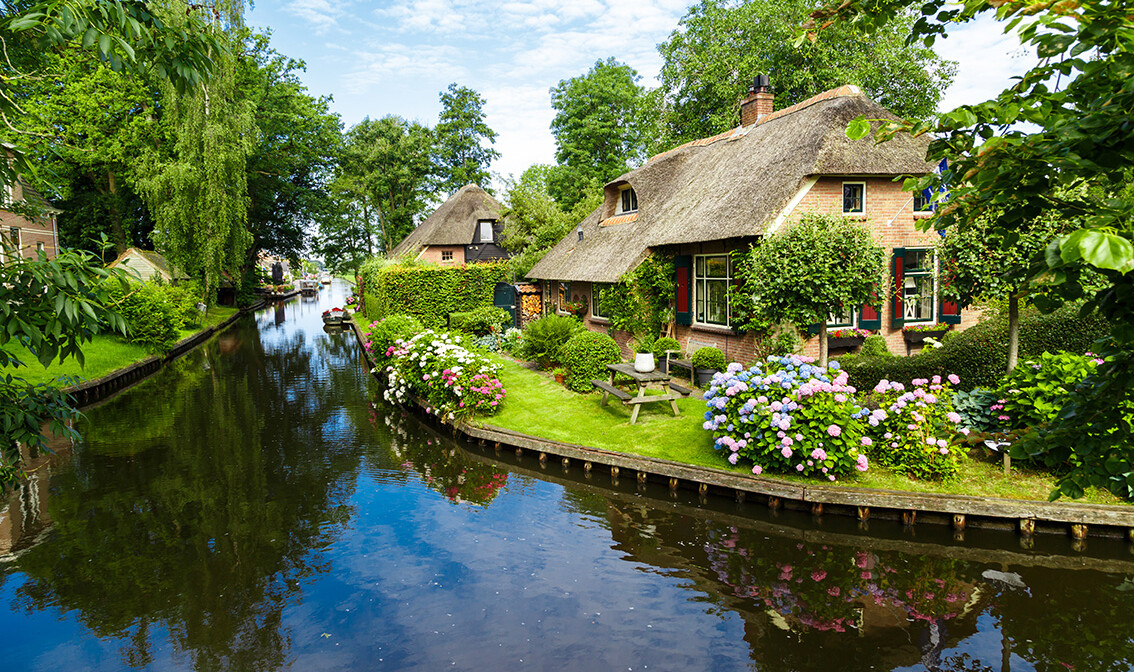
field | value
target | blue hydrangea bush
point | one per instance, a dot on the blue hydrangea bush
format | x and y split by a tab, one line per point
788	415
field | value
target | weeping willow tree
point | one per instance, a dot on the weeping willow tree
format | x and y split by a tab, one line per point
197	187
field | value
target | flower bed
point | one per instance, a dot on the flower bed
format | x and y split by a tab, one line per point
916	427
451	380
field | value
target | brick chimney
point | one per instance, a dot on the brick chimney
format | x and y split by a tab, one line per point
758	103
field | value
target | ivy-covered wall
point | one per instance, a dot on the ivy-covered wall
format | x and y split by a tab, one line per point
429	293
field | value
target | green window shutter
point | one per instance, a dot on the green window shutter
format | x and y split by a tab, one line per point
683	283
897	276
814	329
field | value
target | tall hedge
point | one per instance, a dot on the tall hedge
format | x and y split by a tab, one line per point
979	355
429	293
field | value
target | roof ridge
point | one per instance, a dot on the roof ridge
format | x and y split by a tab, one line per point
843	91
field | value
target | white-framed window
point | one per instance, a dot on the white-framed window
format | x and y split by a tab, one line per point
596	295
919	286
627	201
712	275
854	198
845	319
39	246
564	297
446	255
485	227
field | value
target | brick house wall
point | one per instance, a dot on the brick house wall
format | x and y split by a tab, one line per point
889	212
31	233
436	254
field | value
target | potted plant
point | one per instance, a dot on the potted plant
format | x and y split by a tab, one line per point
917	333
560	375
644	354
706	362
664	349
846	338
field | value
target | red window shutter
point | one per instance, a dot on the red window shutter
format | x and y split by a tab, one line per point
897	276
683	311
869	318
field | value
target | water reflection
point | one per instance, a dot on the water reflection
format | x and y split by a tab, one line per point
253	507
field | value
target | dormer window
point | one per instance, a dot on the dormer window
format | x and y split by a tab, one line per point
485	231
627	201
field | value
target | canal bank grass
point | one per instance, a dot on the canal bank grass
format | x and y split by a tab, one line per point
105	354
536	405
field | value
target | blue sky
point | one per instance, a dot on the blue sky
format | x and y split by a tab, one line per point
396	56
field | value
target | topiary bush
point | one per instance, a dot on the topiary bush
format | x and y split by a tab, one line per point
480	321
585	357
663	344
709	358
875	346
544	337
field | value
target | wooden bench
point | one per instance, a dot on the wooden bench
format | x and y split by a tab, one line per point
683	391
607	388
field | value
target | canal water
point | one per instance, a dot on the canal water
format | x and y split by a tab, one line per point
255	507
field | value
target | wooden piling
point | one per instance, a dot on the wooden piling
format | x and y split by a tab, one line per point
959	521
863	512
587	466
642	476
673	483
1079	531
817	509
773	503
909	517
614	472
1027	526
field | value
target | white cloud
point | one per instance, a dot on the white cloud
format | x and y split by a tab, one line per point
320	14
987	60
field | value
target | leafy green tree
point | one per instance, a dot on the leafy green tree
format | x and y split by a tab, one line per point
821	266
296	151
977	261
598	128
721	45
534	222
385	178
1058	140
460	133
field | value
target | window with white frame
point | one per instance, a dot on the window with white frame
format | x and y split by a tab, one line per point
627	201
844	319
485	231
596	296
446	255
712	275
564	298
919	286
854	198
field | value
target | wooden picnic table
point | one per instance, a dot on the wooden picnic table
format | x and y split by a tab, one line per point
671	391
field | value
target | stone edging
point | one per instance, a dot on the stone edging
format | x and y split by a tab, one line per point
1027	516
94	391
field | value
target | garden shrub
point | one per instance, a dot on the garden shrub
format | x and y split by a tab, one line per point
787	415
663	344
385	333
487	343
512	341
544	337
975	409
585	357
709	358
451	380
152	318
480	321
429	293
1036	390
979	355
184	297
875	346
910	431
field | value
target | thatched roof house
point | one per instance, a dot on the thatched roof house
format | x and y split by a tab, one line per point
466	228
148	264
708	197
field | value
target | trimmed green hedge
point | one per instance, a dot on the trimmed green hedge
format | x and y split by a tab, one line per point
480	321
429	293
585	357
979	355
154	313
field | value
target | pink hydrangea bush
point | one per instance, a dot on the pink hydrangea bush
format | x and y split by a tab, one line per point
912	429
451	380
788	415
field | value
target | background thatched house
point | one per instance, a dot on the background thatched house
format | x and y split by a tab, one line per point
149	265
709	197
465	229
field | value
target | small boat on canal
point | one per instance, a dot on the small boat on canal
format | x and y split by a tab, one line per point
308	287
333	316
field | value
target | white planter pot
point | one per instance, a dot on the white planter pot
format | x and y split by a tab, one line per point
644	362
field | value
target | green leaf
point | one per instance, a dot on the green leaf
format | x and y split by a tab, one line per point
858	128
1102	249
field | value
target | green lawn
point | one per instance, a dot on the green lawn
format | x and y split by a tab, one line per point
538	406
106	353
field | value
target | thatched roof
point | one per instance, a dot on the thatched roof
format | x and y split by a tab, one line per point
732	185
454	223
147	263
